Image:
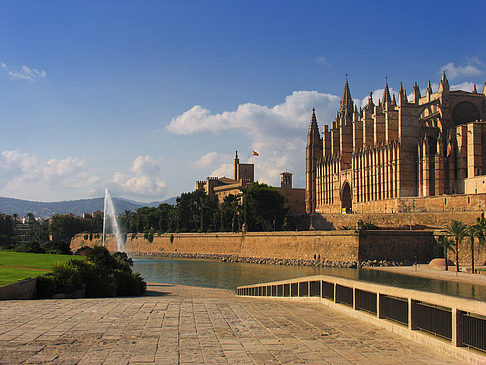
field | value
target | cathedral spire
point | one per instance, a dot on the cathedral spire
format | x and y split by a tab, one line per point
371	105
313	127
444	83
474	89
346	109
386	94
416	93
429	89
402	95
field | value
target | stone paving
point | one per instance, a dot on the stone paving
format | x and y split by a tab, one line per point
182	324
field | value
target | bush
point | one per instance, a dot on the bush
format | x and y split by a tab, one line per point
98	281
129	284
60	248
31	247
101	274
45	286
122	256
83	251
369	226
67	277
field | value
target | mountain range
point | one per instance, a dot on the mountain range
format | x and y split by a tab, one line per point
21	207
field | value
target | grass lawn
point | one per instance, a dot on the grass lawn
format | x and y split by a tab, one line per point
15	266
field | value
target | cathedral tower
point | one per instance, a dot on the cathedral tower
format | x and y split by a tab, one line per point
313	154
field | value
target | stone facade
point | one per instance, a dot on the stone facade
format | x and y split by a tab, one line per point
244	174
376	158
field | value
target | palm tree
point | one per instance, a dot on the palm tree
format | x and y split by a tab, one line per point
446	245
458	230
473	232
481	223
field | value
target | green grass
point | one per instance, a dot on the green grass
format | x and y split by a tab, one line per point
15	266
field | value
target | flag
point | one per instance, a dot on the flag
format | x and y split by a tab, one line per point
255	153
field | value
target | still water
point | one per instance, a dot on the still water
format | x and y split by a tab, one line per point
225	275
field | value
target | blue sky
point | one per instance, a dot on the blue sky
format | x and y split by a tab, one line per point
149	96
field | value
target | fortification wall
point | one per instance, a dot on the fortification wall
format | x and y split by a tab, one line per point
334	246
343	246
417	220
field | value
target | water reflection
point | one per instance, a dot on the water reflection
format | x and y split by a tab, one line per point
217	274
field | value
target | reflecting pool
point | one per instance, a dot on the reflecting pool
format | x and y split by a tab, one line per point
225	275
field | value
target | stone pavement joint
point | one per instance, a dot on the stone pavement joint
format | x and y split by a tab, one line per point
176	324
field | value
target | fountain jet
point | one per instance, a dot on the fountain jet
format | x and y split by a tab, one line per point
109	213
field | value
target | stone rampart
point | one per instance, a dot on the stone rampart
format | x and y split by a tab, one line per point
337	246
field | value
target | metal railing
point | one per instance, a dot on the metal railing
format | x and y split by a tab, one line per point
433	319
394	308
474	331
461	321
365	300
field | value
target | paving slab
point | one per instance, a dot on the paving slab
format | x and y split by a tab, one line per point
176	324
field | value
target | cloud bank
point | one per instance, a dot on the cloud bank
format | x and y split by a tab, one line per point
278	133
24	73
144	180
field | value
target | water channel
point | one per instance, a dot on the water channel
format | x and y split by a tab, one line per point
224	275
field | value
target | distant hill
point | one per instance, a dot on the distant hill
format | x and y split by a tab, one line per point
78	207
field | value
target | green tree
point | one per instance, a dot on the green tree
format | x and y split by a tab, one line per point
446	245
263	207
458	230
474	232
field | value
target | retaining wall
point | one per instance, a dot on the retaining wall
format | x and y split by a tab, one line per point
343	246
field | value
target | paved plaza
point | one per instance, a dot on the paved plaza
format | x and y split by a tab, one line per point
181	324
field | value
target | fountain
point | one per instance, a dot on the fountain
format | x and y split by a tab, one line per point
109	213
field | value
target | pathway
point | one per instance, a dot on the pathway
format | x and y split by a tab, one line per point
182	324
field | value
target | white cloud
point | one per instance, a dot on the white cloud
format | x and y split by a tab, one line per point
472	68
23	171
278	133
466	86
143	181
25	73
211	159
322	60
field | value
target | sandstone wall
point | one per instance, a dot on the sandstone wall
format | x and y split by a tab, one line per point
344	246
388	220
334	246
396	245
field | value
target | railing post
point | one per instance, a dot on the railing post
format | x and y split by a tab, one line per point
354	298
457	327
378	305
412	314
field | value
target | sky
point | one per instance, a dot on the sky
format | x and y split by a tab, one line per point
146	97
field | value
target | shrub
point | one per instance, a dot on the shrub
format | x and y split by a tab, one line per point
45	286
31	247
85	236
369	226
83	251
91	236
122	256
67	277
171	238
150	237
60	248
129	284
102	275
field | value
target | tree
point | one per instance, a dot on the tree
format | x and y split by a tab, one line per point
473	232
481	223
446	245
458	230
263	207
